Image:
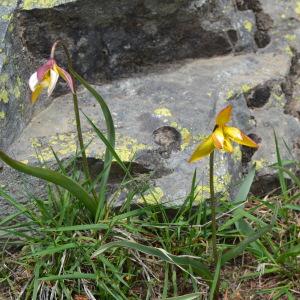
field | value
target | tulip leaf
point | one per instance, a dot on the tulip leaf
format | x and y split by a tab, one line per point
54	177
111	138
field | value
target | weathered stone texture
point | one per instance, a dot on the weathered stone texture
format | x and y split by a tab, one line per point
166	68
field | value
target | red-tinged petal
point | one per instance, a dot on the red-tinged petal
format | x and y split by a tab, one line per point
204	149
36	93
33	81
224	116
43	70
233	132
228	146
53	80
218	137
67	77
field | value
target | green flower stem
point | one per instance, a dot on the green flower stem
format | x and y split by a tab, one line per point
213	216
213	207
77	116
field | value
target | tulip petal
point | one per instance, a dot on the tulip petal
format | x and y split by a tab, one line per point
33	81
245	140
224	116
43	70
204	149
36	93
66	76
218	137
228	146
53	80
233	132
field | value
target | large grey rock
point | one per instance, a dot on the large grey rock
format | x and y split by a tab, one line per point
108	40
184	97
164	75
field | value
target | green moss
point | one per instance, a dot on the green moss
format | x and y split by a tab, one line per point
17	91
4	96
2	115
6	17
4	78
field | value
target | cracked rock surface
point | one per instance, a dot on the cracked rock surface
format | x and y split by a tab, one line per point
165	70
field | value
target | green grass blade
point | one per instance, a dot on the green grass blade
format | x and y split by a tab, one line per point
237	250
51	176
111	138
193	296
161	253
107	143
77	228
282	180
292	252
216	279
75	275
245	187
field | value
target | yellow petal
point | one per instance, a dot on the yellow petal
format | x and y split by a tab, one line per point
246	141
204	149
224	115
232	132
218	137
36	93
228	146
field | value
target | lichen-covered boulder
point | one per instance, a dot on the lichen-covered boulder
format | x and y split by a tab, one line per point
165	69
108	40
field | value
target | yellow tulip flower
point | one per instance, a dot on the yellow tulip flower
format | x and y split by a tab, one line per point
46	76
221	137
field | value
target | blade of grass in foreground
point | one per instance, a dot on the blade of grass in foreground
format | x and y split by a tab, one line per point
215	282
193	296
51	176
282	180
111	138
238	249
201	268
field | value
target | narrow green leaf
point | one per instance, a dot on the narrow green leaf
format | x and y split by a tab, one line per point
111	138
51	176
193	296
36	280
282	180
161	253
77	228
292	252
237	250
75	275
215	282
245	187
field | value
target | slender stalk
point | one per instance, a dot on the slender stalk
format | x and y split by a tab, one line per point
77	116
213	217
213	207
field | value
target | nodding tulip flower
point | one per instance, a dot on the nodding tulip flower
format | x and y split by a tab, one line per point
46	76
221	137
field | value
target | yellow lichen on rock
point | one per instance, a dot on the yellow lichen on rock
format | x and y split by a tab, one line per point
297	8
163	111
30	4
246	88
154	196
248	25
127	147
